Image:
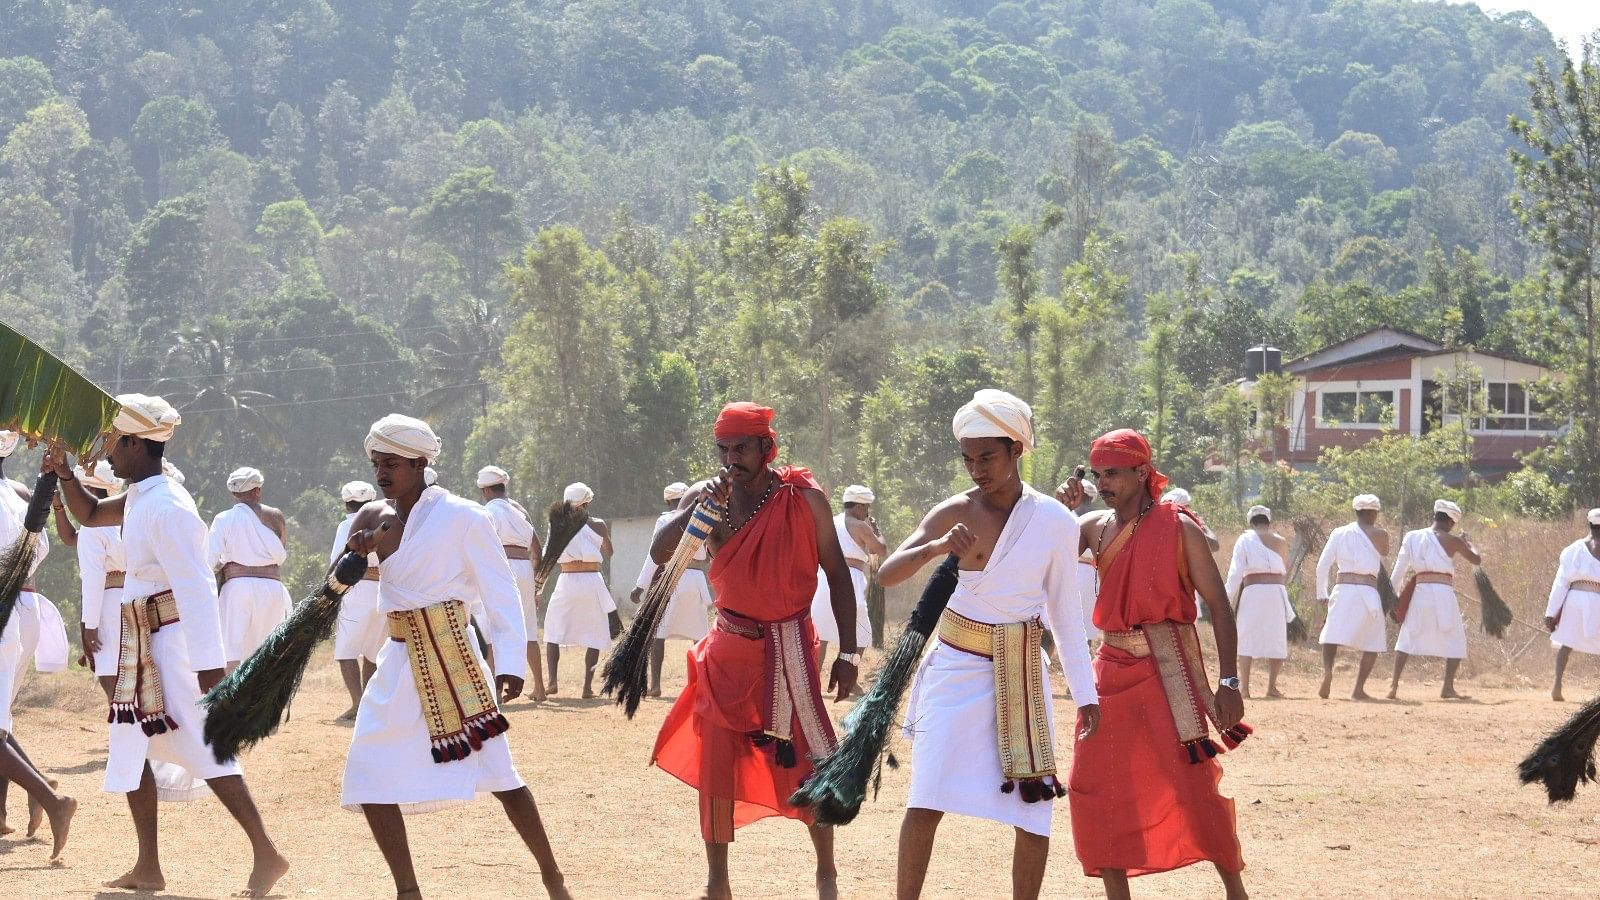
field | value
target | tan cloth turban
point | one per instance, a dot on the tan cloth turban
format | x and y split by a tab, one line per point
143	416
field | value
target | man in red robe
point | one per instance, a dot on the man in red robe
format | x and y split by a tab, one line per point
1144	792
747	725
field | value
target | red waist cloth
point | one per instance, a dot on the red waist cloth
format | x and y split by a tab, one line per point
767	572
1136	805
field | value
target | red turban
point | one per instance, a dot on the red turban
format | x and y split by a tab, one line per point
745	419
1126	448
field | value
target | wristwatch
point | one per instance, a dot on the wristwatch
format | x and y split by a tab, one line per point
1231	683
853	659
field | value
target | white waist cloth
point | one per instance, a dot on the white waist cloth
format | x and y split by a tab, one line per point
822	610
391	760
688	612
362	630
1355	619
1264	612
180	760
522	573
1433	625
110	631
12	665
1088	584
1579	627
955	745
578	609
251	608
34	633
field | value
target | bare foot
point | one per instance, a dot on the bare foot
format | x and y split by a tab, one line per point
556	887
1327	686
1450	694
828	885
1394	692
6	829
348	715
139	879
266	873
655	692
1555	694
1359	694
716	892
60	824
551	690
1247	696
588	693
1274	693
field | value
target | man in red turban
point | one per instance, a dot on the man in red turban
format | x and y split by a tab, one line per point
1144	791
751	718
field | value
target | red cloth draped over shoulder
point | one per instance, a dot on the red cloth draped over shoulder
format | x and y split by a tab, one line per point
1137	805
767	572
1146	580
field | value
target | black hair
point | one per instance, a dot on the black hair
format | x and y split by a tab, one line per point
852	504
1260	519
353	505
154	449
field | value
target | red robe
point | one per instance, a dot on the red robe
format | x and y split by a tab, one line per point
1136	804
766	572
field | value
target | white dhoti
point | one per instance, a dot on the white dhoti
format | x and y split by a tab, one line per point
251	608
1433	625
822	610
1355	619
362	630
1579	627
12	665
522	571
180	759
687	614
110	632
391	760
955	747
1263	616
579	610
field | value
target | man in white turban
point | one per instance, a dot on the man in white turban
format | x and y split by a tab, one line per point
688	609
1018	552
429	733
1088	579
861	541
247	546
1431	624
35	633
1182	497
1572	615
157	748
1256	586
1355	611
521	545
582	611
362	630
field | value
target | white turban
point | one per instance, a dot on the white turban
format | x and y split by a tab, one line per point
358	492
993	413
430	476
858	493
170	470
246	479
101	478
1448	508
8	443
1258	511
1090	491
1366	501
1594	517
489	476
577	494
142	416
1179	496
674	491
403	436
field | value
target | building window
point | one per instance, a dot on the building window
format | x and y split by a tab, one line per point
1511	408
1371	408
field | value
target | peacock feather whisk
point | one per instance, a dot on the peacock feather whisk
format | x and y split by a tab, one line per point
1566	758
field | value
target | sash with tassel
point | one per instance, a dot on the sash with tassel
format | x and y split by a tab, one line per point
137	697
458	702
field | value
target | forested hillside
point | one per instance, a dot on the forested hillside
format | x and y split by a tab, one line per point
567	232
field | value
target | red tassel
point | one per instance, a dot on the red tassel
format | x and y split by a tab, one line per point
1008	787
475	741
1194	754
1061	790
1210	748
172	723
1029	789
437	756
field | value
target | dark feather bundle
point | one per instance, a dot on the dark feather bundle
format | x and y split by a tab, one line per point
1298	633
838	784
248	706
1387	595
16	561
627	671
566	521
1566	758
1496	615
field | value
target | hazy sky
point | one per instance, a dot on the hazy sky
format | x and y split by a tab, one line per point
1568	20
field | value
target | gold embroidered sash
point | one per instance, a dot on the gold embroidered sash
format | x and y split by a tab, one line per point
137	697
792	682
1182	669
1027	755
458	702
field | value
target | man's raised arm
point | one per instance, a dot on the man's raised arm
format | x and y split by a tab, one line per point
938	534
89	510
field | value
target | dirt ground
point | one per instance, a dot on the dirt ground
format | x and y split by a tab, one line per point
1335	799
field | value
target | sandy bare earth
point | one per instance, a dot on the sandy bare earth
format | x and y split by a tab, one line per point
1336	799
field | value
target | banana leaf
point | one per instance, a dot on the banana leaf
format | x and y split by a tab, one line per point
44	399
